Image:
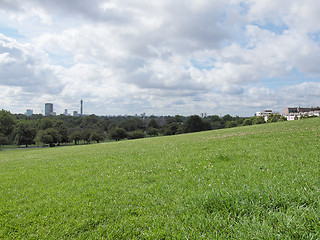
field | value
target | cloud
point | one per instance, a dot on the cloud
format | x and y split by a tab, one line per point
24	74
23	65
163	57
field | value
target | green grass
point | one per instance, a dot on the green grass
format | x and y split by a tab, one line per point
256	182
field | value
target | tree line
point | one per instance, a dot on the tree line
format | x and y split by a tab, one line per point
56	130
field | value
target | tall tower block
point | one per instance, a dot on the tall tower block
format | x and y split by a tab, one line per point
48	109
81	107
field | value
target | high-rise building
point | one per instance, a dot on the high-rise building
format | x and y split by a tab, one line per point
48	110
29	112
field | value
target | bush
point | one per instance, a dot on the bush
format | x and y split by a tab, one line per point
136	135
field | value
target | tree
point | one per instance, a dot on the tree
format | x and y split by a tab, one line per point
178	119
118	134
226	118
170	129
216	122
136	134
62	129
96	136
247	122
49	136
258	120
75	136
231	124
7	122
3	139
194	123
25	134
215	118
276	118
46	123
153	124
86	134
152	131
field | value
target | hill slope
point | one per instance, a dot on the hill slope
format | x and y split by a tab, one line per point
257	182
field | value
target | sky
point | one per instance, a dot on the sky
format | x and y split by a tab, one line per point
159	57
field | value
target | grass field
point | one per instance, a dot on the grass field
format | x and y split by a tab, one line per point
256	182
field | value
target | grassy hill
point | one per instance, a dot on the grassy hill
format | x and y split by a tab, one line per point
256	182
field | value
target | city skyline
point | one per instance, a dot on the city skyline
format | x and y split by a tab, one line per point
161	58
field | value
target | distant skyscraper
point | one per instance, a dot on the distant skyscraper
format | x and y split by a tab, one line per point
29	112
75	113
66	112
48	110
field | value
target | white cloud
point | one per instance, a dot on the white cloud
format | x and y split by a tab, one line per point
162	57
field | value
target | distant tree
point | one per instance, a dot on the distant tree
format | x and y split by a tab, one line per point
307	116
20	116
96	136
283	118
46	123
247	122
136	134
7	123
239	120
152	131
181	129
276	118
207	124
226	118
194	123
215	122
76	136
153	124
231	124
170	129
216	125
258	120
131	124
118	134
25	134
3	140
215	118
62	129
49	136
178	119
85	135
90	120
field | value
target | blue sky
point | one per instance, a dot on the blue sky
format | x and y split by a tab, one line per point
161	58
11	32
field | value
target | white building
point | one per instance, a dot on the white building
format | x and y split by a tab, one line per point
265	114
